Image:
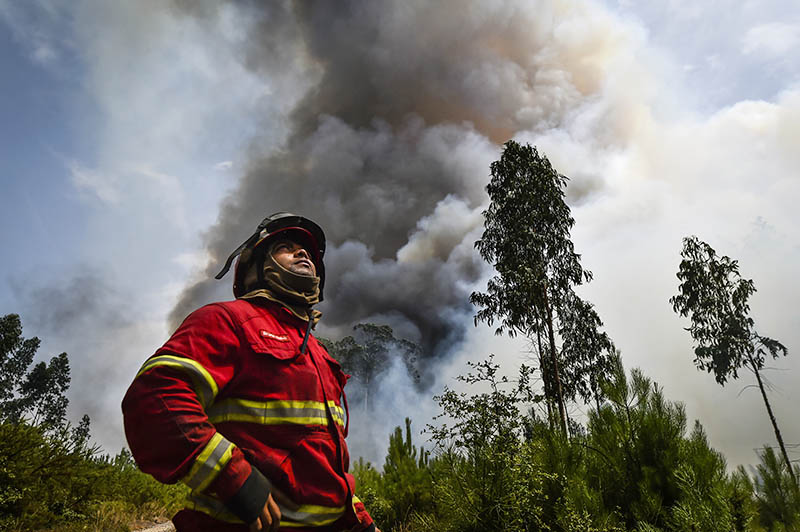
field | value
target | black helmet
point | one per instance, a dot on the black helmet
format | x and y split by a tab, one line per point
268	228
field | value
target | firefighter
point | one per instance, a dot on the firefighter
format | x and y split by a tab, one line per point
244	406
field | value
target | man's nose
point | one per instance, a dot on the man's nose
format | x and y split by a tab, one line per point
301	252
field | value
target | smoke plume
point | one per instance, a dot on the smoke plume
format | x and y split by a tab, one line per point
389	151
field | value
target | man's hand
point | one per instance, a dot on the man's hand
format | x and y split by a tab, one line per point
270	518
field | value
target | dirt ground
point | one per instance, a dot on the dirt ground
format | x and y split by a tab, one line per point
163	527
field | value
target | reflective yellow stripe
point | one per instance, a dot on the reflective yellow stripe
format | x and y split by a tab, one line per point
275	412
204	384
208	464
355	500
305	515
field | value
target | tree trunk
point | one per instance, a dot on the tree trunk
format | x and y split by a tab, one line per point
774	423
366	395
554	360
548	396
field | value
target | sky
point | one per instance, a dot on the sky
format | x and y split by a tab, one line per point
142	141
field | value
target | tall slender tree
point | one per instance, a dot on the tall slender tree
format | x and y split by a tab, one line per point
369	353
527	239
714	295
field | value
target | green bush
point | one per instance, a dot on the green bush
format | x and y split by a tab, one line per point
50	474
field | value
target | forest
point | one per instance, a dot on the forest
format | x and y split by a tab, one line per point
502	455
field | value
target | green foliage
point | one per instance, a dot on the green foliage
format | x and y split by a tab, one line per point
407	479
776	497
477	445
714	294
586	351
34	395
404	490
50	474
370	490
527	240
43	474
634	467
637	437
705	500
743	505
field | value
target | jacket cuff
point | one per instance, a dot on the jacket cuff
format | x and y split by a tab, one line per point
363	516
248	502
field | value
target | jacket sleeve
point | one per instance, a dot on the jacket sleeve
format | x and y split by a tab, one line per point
165	421
363	516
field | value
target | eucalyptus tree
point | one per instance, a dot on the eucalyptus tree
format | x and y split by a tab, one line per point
33	395
369	353
587	352
527	239
714	295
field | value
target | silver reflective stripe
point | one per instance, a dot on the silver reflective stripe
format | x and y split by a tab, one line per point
337	412
204	385
305	515
310	515
212	507
275	412
208	464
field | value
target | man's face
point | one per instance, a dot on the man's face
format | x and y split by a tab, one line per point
293	256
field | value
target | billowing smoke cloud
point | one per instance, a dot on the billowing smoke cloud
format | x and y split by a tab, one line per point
390	150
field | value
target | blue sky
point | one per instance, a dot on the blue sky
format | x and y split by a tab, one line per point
128	126
42	110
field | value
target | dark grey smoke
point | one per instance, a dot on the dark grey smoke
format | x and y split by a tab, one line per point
75	306
393	142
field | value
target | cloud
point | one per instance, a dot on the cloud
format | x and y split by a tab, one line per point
774	39
97	184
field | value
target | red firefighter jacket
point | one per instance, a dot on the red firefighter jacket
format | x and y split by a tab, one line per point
228	401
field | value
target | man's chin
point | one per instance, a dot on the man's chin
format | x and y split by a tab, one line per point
303	271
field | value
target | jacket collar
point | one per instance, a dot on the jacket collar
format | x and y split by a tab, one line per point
280	312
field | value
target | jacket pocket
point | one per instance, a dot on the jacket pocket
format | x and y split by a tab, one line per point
311	469
265	338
